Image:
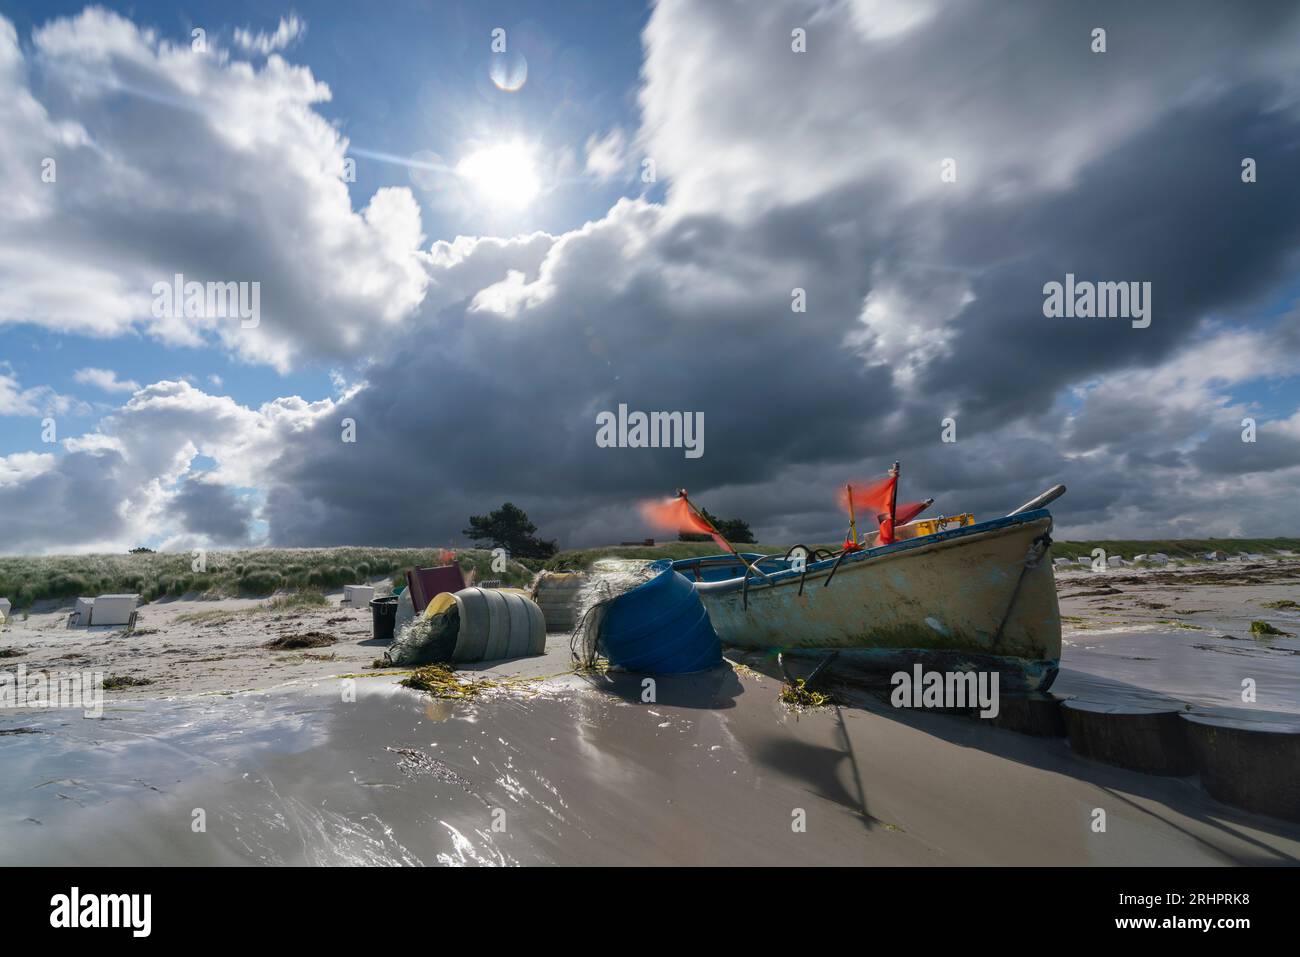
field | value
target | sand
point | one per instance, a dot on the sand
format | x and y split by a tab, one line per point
291	759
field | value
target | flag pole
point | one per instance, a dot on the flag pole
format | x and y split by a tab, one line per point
893	498
853	522
681	492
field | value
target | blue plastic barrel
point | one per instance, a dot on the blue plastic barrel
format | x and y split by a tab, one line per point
660	627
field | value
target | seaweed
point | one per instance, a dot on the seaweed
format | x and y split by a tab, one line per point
113	682
799	695
308	639
441	682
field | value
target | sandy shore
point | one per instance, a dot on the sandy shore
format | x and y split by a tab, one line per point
287	768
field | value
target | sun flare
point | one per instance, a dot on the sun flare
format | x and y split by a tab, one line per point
503	175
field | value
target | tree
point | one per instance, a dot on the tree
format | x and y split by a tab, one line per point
732	529
509	527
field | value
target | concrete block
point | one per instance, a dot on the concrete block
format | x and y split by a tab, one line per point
358	596
113	609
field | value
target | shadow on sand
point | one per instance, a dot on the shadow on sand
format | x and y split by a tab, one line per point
822	766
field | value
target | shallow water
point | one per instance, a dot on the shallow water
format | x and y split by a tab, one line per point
1196	667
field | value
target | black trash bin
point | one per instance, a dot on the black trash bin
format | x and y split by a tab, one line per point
384	613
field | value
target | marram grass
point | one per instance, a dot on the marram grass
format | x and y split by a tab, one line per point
248	572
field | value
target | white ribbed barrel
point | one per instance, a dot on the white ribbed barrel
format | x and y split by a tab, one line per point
497	624
556	594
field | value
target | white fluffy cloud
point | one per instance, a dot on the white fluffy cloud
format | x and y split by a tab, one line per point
142	159
105	380
134	478
35	401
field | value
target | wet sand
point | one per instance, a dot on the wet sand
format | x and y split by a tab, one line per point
714	773
576	769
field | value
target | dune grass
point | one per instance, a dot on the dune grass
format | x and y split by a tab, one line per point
261	572
248	572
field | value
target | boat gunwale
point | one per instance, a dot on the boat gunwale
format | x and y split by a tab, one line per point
816	569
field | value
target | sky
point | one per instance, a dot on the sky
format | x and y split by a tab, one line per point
464	231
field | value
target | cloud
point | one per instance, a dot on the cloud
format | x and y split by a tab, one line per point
607	156
821	172
285	34
168	161
791	178
134	478
35	401
105	379
214	512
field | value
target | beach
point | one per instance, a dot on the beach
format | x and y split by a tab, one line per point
312	756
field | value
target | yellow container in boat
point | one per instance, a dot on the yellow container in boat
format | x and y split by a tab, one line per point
932	526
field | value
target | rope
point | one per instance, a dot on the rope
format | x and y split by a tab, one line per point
1037	549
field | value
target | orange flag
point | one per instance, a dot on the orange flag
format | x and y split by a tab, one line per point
676	515
872	498
876	499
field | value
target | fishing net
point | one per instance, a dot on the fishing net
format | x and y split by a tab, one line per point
426	640
609	578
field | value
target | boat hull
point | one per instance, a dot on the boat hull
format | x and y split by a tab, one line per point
982	597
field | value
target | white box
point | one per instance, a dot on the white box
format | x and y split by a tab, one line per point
358	596
83	610
113	609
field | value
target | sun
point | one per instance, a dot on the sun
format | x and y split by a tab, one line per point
503	175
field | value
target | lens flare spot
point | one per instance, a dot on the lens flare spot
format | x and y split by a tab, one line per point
509	71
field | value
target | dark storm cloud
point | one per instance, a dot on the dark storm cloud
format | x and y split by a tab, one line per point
1224	453
76	501
489	407
214	511
1167	207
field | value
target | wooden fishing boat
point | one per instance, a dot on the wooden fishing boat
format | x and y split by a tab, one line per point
977	597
